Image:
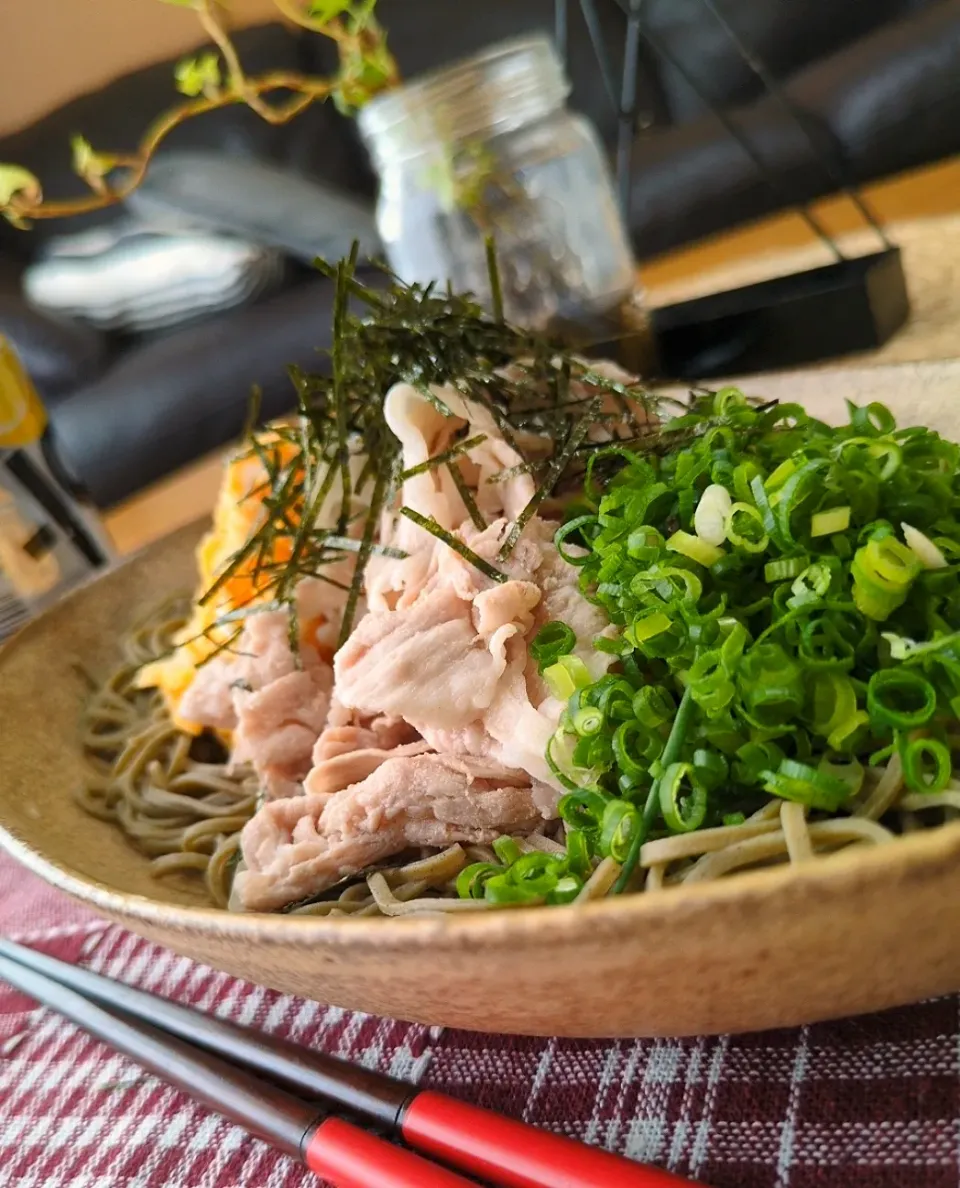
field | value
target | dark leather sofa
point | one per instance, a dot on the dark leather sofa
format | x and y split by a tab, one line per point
878	82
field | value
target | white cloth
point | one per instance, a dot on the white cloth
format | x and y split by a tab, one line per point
136	280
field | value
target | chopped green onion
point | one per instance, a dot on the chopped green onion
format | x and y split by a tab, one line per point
678	732
900	697
566	676
644	544
889	561
743	476
620	824
693	547
552	641
507	850
669	582
537	872
726	399
733	818
927	765
875	604
587	722
825	523
872	418
653	706
710	516
834	701
784	568
882	571
615	698
710	768
851	771
736	640
571	528
784	471
472	879
709	684
763	511
565	890
578	853
753	758
806	785
738	648
683	801
502	890
649	625
841	546
883	754
583	810
561	768
592	753
631	758
747	527
848	731
923	548
811	585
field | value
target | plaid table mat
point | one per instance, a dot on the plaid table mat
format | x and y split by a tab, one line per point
872	1102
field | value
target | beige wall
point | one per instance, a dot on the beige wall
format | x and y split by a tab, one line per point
51	50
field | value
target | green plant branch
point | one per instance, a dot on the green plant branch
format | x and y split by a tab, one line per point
209	21
366	68
297	15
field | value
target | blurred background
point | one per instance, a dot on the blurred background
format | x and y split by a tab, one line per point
144	327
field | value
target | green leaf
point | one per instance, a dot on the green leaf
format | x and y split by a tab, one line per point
87	162
14	180
362	16
328	10
84	158
363	74
199	75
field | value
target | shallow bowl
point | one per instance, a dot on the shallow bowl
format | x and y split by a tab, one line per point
862	930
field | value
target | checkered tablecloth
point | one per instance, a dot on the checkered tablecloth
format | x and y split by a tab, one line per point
868	1103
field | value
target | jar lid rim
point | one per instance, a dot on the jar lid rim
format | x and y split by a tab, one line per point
450	81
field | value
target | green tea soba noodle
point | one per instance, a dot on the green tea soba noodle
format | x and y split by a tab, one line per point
170	793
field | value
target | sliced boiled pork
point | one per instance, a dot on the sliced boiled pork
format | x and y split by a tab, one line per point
454	663
273	702
439	719
297	847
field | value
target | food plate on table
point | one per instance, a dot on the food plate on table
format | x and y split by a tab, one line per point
513	697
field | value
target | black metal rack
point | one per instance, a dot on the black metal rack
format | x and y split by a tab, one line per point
850	304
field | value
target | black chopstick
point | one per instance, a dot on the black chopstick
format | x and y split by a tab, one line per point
478	1141
336	1150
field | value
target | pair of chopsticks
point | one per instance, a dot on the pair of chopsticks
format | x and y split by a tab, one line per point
216	1062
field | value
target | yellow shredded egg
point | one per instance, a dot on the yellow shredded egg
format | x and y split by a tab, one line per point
236	516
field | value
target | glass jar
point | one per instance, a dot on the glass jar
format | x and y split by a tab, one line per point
487	147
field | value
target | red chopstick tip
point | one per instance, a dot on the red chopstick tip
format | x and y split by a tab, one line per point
515	1155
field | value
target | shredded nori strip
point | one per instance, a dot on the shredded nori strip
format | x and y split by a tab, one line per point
466	495
496	290
387	332
429	524
559	464
441	459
